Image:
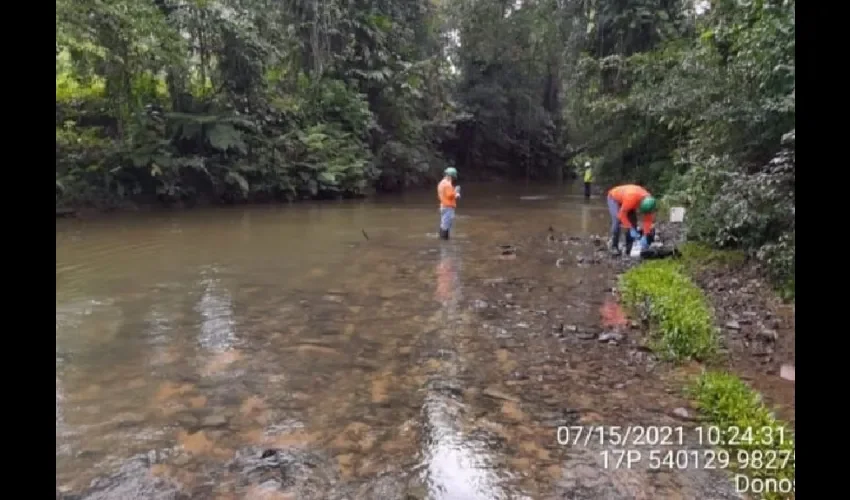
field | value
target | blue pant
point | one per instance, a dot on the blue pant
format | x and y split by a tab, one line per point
447	218
613	210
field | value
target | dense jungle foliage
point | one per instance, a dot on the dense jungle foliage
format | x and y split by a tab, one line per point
252	100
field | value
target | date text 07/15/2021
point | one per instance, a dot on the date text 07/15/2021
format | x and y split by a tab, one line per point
665	435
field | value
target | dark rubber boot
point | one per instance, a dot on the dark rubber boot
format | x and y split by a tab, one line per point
614	245
614	248
629	243
444	234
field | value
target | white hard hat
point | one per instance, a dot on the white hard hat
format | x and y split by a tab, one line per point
587	164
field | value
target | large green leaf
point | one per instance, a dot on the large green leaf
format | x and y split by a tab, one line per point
224	137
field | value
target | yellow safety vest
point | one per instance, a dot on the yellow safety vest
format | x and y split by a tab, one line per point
588	175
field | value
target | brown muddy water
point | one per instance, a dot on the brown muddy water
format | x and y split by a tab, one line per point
276	352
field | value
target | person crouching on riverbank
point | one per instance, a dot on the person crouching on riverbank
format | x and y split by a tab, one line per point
624	204
448	195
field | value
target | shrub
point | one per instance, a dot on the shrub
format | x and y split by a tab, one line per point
751	211
728	403
778	258
679	315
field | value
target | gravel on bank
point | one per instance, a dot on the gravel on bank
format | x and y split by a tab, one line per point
757	327
754	382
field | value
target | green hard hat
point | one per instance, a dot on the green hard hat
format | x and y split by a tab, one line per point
647	205
451	172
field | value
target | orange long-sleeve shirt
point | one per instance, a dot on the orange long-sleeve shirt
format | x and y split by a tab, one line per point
446	194
629	197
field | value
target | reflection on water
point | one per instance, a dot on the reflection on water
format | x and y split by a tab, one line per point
585	219
158	326
612	313
205	340
215	307
448	280
458	468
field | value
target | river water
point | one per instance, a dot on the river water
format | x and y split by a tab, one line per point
340	350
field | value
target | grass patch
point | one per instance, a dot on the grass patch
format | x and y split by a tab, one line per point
786	289
700	255
760	447
680	318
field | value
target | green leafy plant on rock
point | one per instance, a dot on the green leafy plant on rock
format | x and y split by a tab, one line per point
759	446
680	319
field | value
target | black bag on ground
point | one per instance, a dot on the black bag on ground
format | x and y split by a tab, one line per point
659	253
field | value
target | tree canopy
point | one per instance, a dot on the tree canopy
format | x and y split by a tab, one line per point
252	100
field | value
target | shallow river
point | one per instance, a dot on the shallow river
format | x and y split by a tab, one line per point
340	350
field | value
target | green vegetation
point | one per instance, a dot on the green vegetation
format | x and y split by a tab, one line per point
254	100
179	100
699	255
728	403
682	328
680	318
696	101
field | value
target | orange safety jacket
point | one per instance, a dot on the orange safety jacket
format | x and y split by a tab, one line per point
446	194
629	196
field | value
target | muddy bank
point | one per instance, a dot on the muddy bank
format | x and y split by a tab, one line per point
568	357
757	328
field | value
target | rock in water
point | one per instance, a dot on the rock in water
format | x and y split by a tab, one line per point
480	304
497	394
768	335
681	413
605	337
214	421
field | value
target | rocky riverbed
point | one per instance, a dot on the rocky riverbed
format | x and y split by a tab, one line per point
360	391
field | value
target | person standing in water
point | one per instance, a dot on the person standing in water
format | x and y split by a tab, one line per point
588	179
448	195
624	204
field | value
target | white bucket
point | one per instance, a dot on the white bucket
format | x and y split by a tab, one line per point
677	214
